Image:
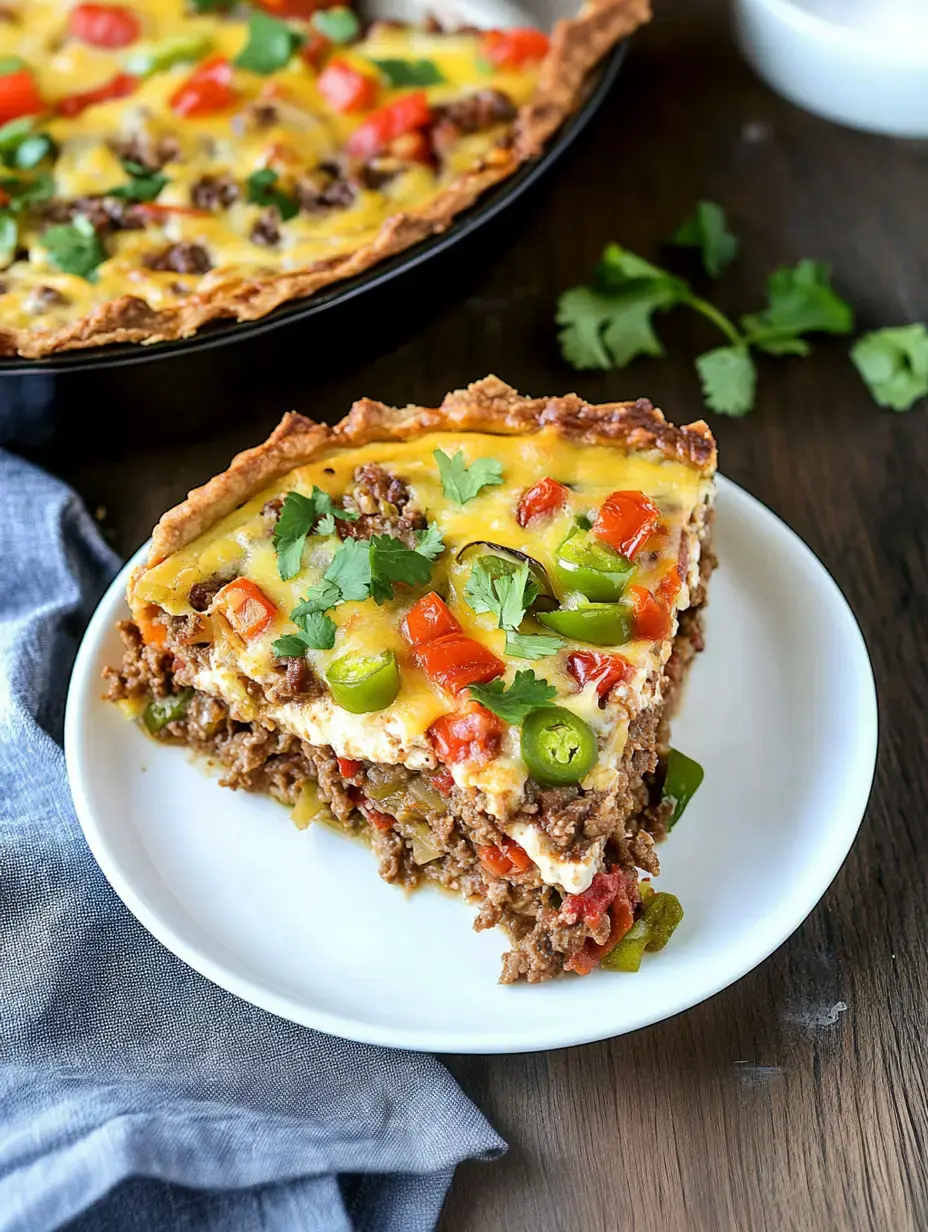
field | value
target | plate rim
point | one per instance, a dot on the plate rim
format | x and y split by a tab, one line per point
288	1007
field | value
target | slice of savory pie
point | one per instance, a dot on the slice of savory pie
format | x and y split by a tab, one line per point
457	632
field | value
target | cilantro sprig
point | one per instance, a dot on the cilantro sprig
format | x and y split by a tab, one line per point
533	645
143	185
270	45
402	73
74	247
299	517
460	482
507	595
526	693
893	364
610	322
339	24
261	189
708	231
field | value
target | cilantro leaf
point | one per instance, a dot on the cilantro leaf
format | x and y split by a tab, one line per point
290	646
728	378
893	363
350	571
317	628
401	73
391	562
800	301
339	25
532	645
461	482
9	236
260	190
74	247
319	598
298	517
708	231
507	595
25	192
270	44
144	187
21	146
429	542
526	693
211	6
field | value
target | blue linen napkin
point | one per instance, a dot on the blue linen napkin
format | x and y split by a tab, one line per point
134	1094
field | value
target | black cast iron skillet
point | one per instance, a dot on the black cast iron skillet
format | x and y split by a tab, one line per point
204	379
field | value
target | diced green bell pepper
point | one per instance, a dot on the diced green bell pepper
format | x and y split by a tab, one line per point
585	563
661	915
601	624
651	931
157	57
163	710
680	783
362	683
626	955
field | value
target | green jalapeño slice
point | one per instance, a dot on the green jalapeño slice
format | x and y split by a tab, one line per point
557	746
601	624
361	683
585	563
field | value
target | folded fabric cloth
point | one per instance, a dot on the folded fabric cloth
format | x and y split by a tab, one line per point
133	1093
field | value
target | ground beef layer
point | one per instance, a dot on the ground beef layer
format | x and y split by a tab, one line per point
423	828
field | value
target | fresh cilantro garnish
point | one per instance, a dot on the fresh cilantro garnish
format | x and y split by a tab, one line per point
299	515
392	561
400	73
893	363
429	542
729	379
532	645
339	25
507	595
21	147
708	231
144	185
74	247
261	190
608	323
318	629
212	6
801	301
461	482
526	693
270	44
9	237
350	571
22	193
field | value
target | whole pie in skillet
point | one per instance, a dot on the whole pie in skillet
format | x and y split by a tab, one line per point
168	162
458	633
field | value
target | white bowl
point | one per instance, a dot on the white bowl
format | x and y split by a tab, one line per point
860	62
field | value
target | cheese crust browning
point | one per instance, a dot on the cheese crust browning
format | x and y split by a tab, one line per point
148	309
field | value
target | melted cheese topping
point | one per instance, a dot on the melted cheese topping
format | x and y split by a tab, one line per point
240	544
304	133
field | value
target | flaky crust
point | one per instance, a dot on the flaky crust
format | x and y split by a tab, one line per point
489	405
577	44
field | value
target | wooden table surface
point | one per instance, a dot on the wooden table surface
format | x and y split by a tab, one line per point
771	1105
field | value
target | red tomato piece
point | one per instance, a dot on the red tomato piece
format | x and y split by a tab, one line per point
104	25
594	900
625	521
652	622
621	914
153	633
404	115
381	821
315	49
443	782
669	588
345	89
348	768
427	619
301	9
412	148
117	87
19	96
246	607
207	90
514	48
506	858
607	670
542	497
470	735
455	661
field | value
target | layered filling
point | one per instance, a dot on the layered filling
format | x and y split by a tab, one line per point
162	149
467	650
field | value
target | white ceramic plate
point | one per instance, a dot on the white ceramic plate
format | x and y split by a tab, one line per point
781	711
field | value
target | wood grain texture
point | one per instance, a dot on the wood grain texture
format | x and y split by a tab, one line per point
796	1099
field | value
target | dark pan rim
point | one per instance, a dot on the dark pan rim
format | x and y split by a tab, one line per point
222	333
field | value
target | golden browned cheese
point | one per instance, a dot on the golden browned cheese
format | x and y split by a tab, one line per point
231	142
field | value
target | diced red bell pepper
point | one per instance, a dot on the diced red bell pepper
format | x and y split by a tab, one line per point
381	821
104	25
348	768
625	521
19	96
542	497
404	115
428	618
506	858
443	782
300	9
455	661
246	607
207	90
117	87
606	670
669	588
652	622
472	734
412	148
514	48
345	89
